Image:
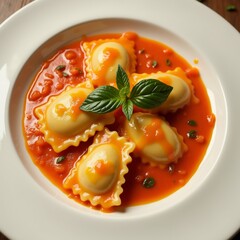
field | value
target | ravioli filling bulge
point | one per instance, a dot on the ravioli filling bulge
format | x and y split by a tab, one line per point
99	170
156	142
165	146
103	57
106	58
63	116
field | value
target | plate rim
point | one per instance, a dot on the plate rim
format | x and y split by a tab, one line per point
43	3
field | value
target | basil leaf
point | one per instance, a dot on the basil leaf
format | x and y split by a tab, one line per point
104	99
122	80
150	93
127	108
123	92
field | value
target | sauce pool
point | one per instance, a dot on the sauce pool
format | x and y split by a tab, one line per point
67	67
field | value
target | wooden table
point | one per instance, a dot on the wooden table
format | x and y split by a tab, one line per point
8	7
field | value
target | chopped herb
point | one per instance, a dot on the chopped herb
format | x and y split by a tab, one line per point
141	51
65	74
154	63
60	159
79	70
148	182
231	8
60	68
168	62
147	93
192	134
192	123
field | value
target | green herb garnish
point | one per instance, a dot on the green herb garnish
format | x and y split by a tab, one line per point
168	62
192	123
65	74
147	94
231	8
60	68
148	182
154	63
60	159
192	134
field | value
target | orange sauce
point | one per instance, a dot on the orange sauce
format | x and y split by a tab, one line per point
151	56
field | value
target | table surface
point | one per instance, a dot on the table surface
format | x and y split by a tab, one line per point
8	7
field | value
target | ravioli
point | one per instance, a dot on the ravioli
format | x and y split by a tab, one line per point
64	124
181	94
156	142
98	176
104	56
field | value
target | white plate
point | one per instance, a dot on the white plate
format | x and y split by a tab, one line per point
208	207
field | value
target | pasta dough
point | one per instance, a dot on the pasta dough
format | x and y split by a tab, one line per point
98	176
64	124
104	56
156	142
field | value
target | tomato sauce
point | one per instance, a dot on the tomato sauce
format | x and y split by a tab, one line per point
67	67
